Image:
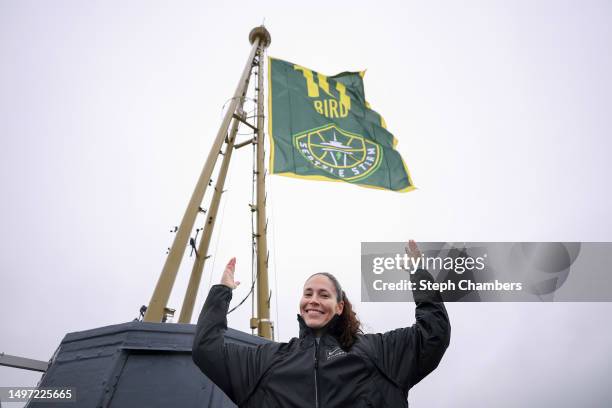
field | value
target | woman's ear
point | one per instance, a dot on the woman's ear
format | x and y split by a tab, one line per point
339	307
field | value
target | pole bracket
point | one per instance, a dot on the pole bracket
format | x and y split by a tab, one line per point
241	120
248	142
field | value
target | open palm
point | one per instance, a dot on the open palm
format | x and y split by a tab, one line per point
228	275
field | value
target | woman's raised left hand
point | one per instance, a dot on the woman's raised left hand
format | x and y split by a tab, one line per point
228	275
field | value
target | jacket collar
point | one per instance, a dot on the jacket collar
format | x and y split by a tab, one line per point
332	328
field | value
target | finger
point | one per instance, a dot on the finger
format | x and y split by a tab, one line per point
408	249
413	246
236	283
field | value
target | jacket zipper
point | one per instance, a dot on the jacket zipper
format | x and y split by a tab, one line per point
316	365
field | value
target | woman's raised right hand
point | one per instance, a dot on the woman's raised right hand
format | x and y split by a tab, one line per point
412	249
228	275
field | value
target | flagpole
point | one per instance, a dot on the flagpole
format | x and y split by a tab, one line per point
161	294
262	321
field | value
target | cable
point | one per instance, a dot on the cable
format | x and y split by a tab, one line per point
272	218
243	300
253	241
246	98
277	331
229	176
253	245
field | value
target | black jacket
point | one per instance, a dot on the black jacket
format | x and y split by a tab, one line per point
377	371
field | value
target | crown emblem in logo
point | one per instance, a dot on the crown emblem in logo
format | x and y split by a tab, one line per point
347	156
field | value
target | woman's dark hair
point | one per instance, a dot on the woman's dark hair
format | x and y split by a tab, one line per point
348	325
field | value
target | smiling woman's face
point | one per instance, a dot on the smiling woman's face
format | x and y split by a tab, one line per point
319	302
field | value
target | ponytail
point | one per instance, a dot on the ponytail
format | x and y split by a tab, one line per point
349	323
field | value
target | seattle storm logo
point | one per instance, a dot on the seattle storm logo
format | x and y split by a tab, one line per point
344	155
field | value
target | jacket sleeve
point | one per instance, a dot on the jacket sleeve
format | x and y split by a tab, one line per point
232	367
408	354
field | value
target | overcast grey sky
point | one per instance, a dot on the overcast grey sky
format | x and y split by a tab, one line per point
502	111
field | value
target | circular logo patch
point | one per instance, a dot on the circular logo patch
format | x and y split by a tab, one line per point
347	156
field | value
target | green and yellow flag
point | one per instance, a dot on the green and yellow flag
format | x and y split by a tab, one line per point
322	128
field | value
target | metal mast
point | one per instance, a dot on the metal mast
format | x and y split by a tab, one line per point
262	321
260	39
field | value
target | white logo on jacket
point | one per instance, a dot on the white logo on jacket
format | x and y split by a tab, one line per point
335	353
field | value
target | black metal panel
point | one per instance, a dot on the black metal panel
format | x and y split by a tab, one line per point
135	364
182	385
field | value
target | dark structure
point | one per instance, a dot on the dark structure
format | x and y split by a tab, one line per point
135	364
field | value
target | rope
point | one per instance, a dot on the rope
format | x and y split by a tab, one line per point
272	219
253	242
229	176
277	330
246	98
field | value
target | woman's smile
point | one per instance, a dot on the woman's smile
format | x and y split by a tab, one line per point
319	302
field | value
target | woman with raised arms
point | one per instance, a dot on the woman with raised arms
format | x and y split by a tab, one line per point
332	363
